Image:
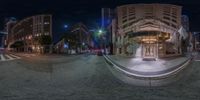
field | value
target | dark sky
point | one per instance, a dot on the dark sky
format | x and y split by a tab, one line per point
87	11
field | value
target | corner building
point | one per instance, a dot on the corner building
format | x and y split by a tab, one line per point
28	29
148	30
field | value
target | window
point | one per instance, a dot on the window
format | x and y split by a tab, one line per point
124	16
46	33
174	11
174	26
124	21
166	14
149	10
124	12
166	18
46	23
149	16
125	26
132	18
131	23
167	23
174	16
132	14
174	20
166	10
131	9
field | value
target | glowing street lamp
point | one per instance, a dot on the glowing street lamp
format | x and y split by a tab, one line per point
100	32
65	26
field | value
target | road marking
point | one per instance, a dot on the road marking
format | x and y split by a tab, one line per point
11	58
14	56
28	55
3	58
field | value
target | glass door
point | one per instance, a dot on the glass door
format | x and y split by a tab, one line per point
149	51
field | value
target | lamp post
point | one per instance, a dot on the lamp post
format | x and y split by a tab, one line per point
101	33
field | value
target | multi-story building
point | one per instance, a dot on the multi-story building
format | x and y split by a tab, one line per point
8	26
107	14
196	41
185	22
147	30
28	29
1	40
77	40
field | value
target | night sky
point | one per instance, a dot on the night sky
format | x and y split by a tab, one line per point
87	11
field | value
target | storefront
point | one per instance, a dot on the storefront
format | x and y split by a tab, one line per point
150	44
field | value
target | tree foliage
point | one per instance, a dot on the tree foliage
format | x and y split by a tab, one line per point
44	40
17	44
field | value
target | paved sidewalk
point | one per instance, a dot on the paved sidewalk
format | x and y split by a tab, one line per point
196	56
138	66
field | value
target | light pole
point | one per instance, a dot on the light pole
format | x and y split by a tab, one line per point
101	34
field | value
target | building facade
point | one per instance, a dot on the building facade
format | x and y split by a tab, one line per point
196	41
185	22
8	27
107	14
27	30
77	40
147	30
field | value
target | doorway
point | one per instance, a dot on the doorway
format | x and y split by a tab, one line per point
149	51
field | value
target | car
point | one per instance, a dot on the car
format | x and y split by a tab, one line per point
99	53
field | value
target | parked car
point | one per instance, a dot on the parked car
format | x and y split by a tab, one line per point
99	53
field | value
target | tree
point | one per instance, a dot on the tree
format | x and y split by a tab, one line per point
44	41
17	44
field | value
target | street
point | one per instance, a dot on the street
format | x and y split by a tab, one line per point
83	77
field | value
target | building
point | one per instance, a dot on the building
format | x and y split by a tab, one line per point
76	40
185	22
26	34
8	26
107	15
112	29
148	30
1	40
196	41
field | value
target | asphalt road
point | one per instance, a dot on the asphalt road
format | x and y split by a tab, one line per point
83	77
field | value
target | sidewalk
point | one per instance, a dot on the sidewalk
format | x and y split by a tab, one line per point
138	66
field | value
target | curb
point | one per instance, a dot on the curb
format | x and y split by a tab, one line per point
132	77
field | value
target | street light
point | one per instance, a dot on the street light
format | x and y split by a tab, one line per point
101	33
65	26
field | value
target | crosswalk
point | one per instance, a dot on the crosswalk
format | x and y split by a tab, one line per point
28	55
7	57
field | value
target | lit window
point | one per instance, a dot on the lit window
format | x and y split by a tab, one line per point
46	23
47	33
